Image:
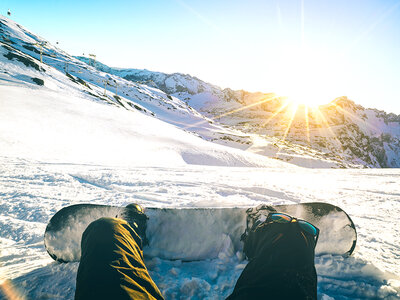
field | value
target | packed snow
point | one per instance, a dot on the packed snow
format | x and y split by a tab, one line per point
60	145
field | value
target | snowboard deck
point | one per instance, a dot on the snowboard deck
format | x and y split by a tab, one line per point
190	234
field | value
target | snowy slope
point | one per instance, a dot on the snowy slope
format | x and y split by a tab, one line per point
51	126
63	142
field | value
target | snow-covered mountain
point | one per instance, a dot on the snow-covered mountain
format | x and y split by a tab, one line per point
340	133
127	123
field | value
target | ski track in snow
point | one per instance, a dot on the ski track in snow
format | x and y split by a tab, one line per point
33	191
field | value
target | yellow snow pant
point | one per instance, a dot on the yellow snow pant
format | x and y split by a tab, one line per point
112	265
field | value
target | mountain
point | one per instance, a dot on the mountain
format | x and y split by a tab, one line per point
338	134
57	108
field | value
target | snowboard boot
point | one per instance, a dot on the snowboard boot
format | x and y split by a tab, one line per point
255	217
137	219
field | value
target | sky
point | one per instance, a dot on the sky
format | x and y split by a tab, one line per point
313	51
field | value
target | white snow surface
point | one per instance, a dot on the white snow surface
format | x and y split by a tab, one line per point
51	126
60	145
33	191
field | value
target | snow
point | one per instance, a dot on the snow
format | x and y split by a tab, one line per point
86	131
33	191
60	145
58	150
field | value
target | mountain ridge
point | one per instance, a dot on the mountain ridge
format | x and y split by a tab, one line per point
343	120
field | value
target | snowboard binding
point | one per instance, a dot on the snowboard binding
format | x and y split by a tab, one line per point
137	219
256	216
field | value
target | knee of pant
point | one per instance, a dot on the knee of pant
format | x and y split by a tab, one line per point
105	224
106	221
101	230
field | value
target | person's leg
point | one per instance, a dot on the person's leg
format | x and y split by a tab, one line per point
281	264
112	265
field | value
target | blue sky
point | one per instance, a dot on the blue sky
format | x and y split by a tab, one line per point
317	49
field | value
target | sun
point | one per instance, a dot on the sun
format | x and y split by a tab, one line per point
307	78
304	95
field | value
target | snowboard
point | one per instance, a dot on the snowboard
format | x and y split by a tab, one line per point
191	234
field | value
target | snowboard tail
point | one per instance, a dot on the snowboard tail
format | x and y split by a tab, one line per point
195	233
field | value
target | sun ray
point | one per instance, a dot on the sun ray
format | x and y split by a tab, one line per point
325	121
283	106
355	117
307	124
266	99
201	17
248	106
295	107
366	32
302	25
290	122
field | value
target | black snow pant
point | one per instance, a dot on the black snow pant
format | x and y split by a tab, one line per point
281	264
